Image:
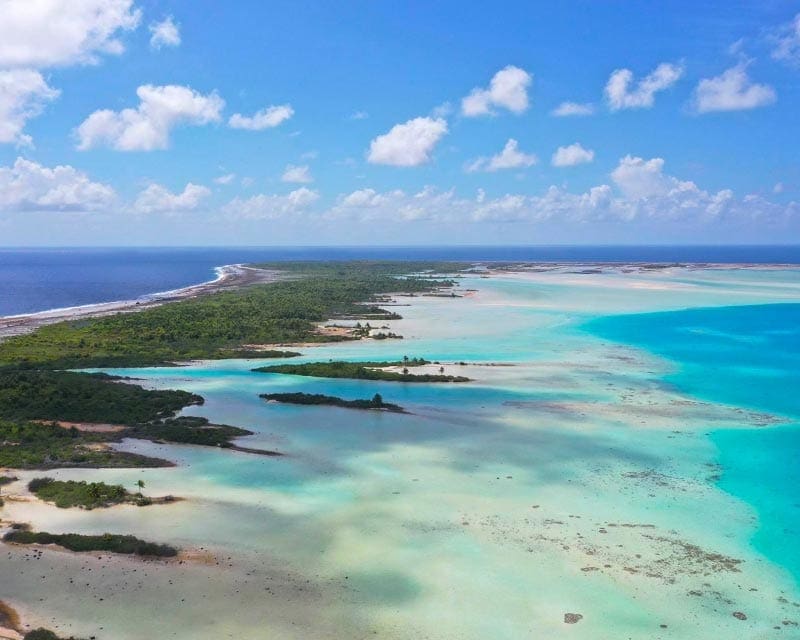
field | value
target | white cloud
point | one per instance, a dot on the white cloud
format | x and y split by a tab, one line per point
638	178
164	34
36	34
270	206
509	158
158	199
778	188
148	126
227	178
408	144
622	94
23	94
566	109
264	119
508	89
28	186
46	33
641	191
732	91
571	155
299	174
359	115
787	42
443	110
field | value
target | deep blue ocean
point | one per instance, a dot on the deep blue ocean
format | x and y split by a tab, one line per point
745	356
39	279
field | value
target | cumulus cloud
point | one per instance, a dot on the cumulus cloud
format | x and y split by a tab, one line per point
732	91
156	198
508	89
787	42
571	155
640	190
298	174
28	186
623	93
567	109
148	126
271	206
23	95
164	34
264	119
36	34
47	33
509	158
408	144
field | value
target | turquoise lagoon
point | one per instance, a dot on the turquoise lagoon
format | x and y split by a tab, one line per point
746	356
597	465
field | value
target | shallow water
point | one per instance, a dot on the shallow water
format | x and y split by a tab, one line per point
745	356
602	474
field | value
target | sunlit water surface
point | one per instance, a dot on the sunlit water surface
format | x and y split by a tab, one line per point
636	465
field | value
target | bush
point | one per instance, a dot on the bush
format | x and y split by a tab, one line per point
107	542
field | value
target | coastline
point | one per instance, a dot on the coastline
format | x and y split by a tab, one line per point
237	275
612	521
232	276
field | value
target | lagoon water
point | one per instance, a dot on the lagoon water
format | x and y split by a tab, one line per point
627	452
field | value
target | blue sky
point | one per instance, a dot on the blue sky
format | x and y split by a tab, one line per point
252	123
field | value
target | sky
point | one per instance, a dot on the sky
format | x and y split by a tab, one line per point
149	122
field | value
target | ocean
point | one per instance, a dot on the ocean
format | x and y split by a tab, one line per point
743	356
38	279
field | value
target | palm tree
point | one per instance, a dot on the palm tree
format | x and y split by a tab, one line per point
140	484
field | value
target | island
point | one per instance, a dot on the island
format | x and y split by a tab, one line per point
89	495
110	542
374	404
249	322
363	371
52	419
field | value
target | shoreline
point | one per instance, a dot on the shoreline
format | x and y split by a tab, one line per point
562	521
237	275
231	276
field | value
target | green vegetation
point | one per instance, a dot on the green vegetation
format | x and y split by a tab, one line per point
51	396
257	353
361	371
189	430
107	542
4	480
352	269
87	495
216	325
38	401
83	397
29	445
44	634
319	399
